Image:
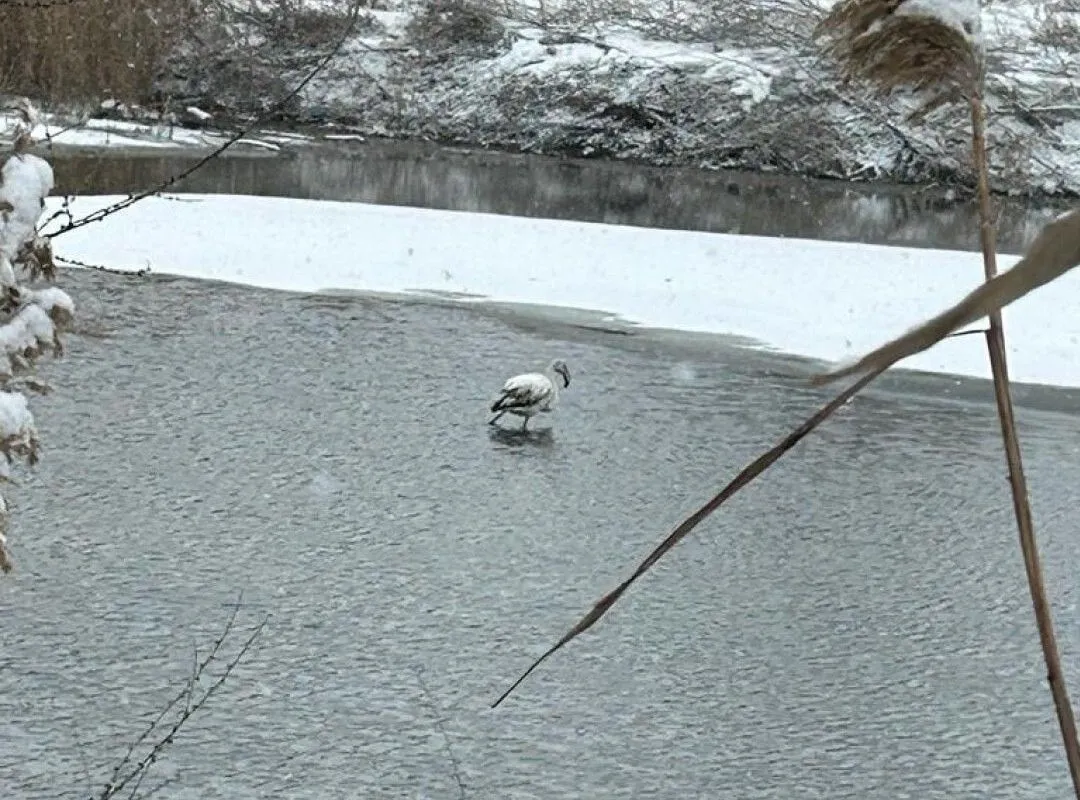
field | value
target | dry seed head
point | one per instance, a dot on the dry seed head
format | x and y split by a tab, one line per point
933	47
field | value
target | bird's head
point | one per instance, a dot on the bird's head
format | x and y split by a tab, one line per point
558	366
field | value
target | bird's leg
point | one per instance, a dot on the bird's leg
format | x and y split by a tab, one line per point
495	419
525	423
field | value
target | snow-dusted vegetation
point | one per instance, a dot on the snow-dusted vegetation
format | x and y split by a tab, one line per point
31	319
738	84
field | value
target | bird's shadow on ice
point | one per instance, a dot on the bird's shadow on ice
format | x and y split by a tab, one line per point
515	437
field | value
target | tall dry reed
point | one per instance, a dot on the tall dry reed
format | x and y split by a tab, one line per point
936	52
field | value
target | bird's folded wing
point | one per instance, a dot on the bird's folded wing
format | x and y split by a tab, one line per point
524	390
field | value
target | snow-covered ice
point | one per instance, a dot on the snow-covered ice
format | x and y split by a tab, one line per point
825	300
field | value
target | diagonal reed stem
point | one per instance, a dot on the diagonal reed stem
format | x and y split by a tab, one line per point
995	345
684	528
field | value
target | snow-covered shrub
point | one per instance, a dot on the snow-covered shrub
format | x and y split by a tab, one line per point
31	319
1057	25
299	23
443	24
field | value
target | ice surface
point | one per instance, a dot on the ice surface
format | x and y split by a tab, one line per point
827	300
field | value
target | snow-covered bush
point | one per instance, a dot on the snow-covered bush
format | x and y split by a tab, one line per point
31	319
442	24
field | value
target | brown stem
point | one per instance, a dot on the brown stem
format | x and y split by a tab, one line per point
995	345
748	474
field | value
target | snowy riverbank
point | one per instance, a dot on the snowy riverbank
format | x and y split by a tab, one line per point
680	84
825	300
677	82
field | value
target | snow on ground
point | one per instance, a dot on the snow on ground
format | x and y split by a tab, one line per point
100	133
105	133
825	300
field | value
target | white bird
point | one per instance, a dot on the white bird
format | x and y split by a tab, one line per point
531	394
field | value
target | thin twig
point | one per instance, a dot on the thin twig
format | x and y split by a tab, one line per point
753	470
63	211
123	775
141	273
229	622
440	725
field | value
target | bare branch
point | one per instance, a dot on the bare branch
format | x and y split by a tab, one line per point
131	773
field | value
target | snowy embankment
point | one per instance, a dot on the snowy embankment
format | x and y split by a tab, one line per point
824	300
677	82
61	130
738	85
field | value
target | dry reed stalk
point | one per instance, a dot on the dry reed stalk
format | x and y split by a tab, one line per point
683	529
936	49
995	344
875	43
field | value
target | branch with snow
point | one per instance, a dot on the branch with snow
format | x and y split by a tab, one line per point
31	319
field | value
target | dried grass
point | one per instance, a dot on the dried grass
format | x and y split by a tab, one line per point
891	51
25	445
443	24
36	257
1058	26
875	43
74	52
